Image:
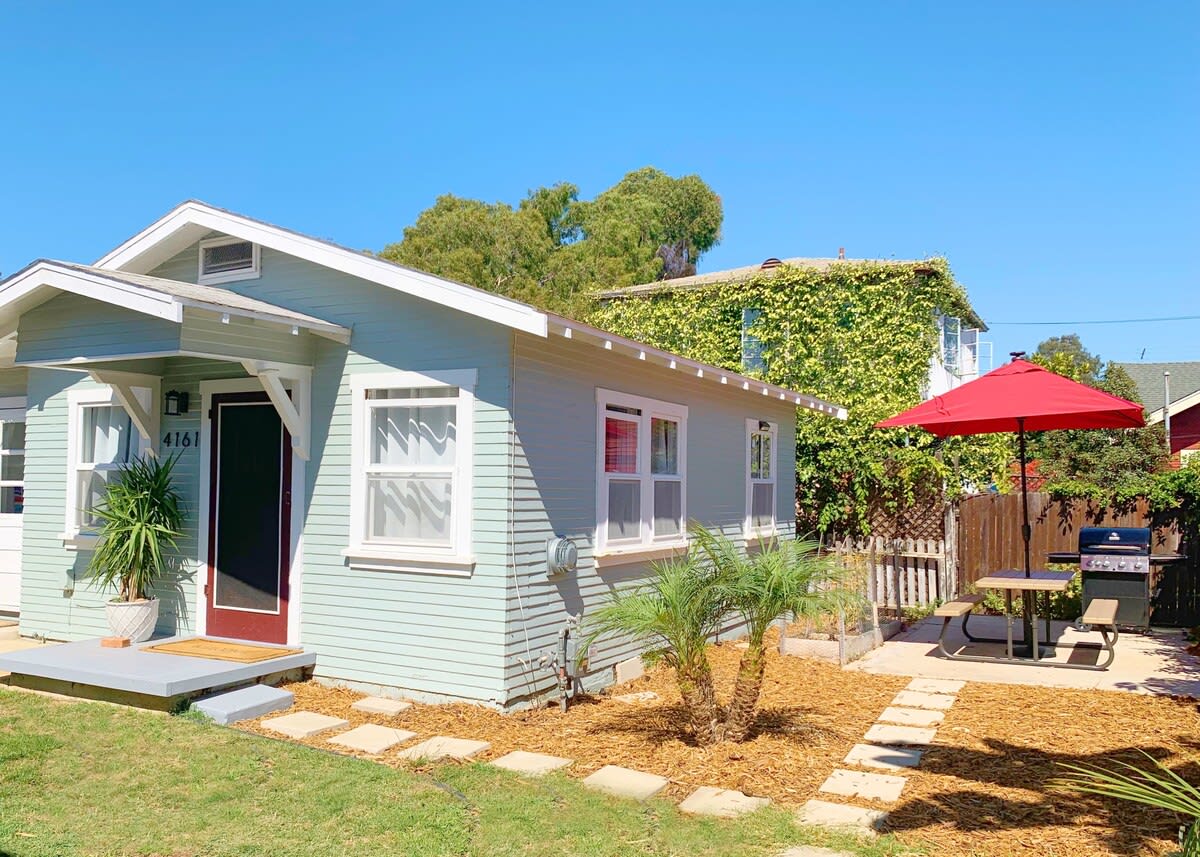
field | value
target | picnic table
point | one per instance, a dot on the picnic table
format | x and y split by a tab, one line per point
1100	613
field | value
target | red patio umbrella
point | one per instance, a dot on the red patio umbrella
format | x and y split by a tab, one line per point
1020	396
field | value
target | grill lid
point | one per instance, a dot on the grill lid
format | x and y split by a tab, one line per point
1115	540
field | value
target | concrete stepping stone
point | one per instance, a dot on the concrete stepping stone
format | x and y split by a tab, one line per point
637	698
918	699
936	685
813	851
883	787
881	734
852	819
911	716
624	782
370	738
304	724
885	758
723	803
531	764
443	747
380	705
245	703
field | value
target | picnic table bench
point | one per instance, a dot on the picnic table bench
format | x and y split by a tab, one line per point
1100	613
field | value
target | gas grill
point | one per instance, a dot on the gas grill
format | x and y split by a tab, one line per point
1115	562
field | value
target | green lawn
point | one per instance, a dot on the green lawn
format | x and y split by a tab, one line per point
94	779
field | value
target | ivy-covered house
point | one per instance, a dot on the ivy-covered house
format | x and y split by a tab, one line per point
876	335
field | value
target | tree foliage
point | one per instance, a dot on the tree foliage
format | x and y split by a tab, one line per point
861	334
1102	464
553	248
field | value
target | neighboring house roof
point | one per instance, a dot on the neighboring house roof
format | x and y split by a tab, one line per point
1148	377
154	295
120	276
746	272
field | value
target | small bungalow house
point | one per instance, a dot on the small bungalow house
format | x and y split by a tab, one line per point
421	482
1180	382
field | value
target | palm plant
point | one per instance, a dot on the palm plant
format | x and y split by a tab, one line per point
784	578
1163	789
141	517
676	612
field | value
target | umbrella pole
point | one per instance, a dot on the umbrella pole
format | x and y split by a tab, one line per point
1026	530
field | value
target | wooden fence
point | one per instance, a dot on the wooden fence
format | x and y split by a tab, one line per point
903	573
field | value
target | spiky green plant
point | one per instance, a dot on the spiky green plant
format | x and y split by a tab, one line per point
141	517
675	613
783	578
1163	789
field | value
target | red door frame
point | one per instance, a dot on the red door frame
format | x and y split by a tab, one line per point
229	621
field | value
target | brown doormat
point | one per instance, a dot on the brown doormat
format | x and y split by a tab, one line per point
221	650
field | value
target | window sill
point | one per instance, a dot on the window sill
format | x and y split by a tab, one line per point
640	553
79	541
445	565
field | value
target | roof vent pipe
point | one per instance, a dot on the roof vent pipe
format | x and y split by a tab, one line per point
841	252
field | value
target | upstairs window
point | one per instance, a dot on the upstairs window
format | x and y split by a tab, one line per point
752	347
642	447
223	260
761	449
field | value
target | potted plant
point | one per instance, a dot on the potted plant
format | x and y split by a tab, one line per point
141	517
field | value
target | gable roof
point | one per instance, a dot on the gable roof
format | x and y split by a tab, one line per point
746	272
38	281
1148	378
121	276
189	221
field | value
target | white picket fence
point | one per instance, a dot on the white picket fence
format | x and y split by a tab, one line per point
903	573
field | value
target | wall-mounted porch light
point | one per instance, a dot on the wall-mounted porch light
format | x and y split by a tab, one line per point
176	403
763	425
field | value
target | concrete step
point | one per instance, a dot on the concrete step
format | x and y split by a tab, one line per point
9	629
904	735
624	782
245	703
885	758
881	787
723	803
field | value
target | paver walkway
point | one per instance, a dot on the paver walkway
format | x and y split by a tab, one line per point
910	722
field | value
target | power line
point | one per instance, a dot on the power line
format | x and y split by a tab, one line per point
1095	321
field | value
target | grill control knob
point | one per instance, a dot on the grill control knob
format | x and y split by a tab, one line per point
1137	565
1121	564
1107	564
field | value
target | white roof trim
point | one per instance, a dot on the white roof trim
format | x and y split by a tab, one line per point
19	293
574	330
136	255
1176	407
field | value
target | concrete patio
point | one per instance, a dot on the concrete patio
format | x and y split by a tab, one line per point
1155	663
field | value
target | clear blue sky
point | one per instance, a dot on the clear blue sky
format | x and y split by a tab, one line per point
1048	149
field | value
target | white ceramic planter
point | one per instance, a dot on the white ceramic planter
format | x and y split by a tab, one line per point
132	619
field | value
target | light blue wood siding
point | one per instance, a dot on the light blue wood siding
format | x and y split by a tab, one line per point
554	484
71	326
430	635
205	333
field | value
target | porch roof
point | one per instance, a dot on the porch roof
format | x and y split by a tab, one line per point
153	296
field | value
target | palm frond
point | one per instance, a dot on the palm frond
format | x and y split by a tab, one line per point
1158	787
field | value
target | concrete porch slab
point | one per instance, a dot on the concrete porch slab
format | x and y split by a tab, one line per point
1145	663
74	668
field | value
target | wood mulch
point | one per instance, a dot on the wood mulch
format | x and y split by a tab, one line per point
981	790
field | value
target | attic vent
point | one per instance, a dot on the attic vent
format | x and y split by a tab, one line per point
223	260
770	263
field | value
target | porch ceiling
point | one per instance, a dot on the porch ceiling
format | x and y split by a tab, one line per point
153	296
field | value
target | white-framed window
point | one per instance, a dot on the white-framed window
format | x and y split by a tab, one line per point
411	470
752	347
223	260
12	459
101	437
642	465
762	456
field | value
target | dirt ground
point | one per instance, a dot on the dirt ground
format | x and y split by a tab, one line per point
980	790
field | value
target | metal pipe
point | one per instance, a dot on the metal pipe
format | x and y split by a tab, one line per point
1167	408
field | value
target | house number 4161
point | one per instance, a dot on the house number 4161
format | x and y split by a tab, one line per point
184	439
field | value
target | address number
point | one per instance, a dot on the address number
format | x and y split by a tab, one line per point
183	439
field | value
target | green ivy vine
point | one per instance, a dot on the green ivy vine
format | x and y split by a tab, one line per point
861	334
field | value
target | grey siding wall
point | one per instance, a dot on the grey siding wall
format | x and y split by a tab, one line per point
554	478
426	635
70	325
